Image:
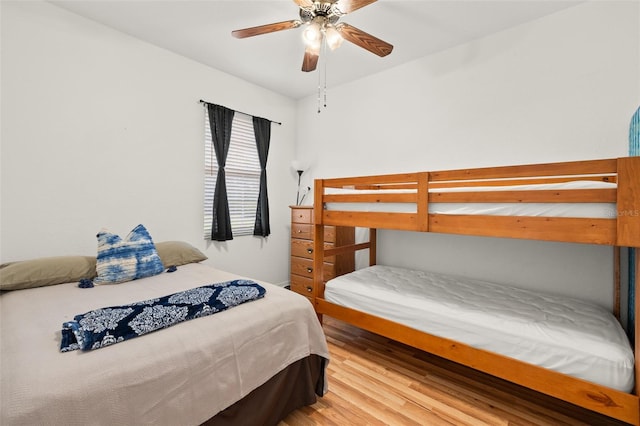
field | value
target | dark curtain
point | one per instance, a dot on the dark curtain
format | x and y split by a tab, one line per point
262	132
220	120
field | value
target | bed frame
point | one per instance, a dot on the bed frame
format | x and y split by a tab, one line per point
622	230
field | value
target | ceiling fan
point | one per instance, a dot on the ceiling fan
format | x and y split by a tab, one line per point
321	20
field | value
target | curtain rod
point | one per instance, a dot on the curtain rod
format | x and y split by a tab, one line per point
210	103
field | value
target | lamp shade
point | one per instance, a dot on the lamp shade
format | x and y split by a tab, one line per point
298	165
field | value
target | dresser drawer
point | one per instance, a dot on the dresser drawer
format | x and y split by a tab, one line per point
301	216
301	230
305	231
302	285
304	248
304	267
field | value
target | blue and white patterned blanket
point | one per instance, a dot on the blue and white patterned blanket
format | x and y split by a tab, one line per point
106	326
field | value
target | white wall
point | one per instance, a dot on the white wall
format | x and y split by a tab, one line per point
102	130
560	88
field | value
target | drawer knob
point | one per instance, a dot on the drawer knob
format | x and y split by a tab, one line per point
309	289
309	270
309	250
299	231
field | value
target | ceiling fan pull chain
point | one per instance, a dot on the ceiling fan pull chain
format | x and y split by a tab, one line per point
319	84
326	59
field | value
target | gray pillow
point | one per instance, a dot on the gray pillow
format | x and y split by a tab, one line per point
176	253
46	271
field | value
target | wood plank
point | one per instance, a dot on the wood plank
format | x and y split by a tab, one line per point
391	386
590	167
535	196
522	181
423	202
318	203
318	259
580	230
373	241
372	198
410	185
616	404
389	179
636	335
401	221
616	282
598	195
629	202
346	249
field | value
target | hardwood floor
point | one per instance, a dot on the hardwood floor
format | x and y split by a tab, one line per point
375	381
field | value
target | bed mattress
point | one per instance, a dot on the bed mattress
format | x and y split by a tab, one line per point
582	210
561	334
182	375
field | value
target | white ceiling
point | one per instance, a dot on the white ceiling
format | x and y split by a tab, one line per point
201	30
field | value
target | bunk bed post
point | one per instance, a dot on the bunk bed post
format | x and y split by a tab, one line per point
318	243
616	281
636	337
628	232
628	202
373	238
423	201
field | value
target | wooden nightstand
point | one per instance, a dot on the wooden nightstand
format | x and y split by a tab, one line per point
302	250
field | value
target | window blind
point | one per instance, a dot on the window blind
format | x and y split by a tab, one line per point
243	176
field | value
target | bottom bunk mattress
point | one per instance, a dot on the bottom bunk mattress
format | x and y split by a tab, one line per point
566	335
184	374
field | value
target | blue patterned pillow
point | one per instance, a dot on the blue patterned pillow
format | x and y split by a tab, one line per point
121	260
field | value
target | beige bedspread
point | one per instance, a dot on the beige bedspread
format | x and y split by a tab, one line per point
181	375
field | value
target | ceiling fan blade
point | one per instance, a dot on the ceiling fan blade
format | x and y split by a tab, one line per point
264	29
304	3
348	6
310	61
364	40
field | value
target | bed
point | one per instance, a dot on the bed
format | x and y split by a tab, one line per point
251	364
592	202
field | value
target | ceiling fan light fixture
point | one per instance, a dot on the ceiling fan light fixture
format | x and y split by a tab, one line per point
313	33
314	48
334	39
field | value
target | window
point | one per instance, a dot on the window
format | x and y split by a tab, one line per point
243	176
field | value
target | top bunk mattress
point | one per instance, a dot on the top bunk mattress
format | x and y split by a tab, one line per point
581	210
566	335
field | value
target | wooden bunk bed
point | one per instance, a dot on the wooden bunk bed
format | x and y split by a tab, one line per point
371	202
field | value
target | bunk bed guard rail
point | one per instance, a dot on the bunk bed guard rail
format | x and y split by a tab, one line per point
593	202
